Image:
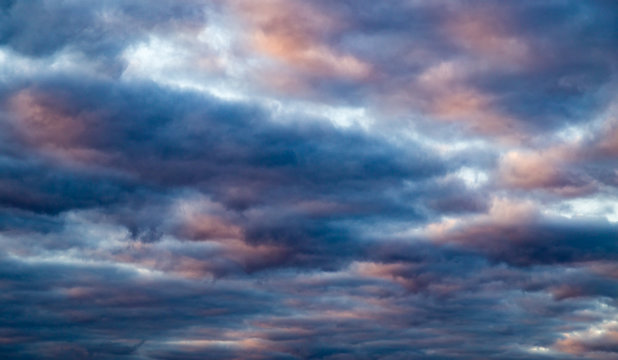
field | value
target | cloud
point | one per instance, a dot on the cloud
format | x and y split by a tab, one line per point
282	34
93	28
517	234
294	180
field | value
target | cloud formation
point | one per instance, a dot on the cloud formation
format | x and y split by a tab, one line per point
308	180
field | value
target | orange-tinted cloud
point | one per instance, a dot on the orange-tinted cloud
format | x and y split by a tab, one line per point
443	91
294	33
602	341
608	142
548	169
486	34
48	123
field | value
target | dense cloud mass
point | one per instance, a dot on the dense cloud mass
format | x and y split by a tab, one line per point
286	179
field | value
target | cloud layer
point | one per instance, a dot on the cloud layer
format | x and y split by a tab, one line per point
286	179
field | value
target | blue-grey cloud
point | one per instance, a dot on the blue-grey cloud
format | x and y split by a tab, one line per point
308	180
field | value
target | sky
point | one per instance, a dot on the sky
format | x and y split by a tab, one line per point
287	179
